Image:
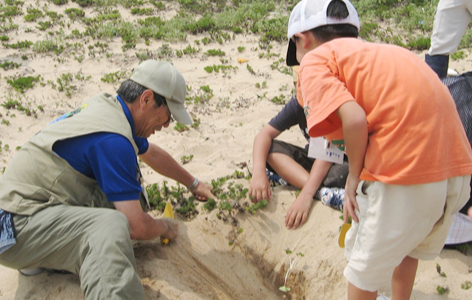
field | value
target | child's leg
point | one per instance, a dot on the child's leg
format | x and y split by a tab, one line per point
354	293
403	279
287	168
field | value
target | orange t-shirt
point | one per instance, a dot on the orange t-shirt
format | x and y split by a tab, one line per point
415	134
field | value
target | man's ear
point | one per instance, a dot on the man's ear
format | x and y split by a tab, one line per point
145	97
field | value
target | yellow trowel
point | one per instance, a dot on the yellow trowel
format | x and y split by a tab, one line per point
342	235
168	213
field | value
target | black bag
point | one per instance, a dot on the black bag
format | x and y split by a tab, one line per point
461	90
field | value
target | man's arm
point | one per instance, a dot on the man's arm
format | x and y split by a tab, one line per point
355	132
163	163
297	214
144	227
259	186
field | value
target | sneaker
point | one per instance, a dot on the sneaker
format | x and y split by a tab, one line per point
275	179
37	271
31	272
382	297
333	197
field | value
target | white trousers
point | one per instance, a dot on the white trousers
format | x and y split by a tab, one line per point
450	23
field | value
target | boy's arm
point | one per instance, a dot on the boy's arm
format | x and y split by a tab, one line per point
259	185
297	214
354	122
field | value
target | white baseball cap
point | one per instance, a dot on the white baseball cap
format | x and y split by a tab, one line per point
164	79
310	14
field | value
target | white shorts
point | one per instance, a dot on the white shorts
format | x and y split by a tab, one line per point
396	221
450	23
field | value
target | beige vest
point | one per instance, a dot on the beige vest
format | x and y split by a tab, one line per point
37	177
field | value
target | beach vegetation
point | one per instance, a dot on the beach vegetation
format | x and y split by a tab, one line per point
186	159
8	65
215	52
442	289
196	123
458	55
23	83
114	77
466	285
181	127
33	14
19	45
292	261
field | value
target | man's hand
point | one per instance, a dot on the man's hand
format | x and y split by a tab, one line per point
297	214
350	202
203	192
171	228
259	188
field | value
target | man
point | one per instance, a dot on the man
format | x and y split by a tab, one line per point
292	164
58	190
450	23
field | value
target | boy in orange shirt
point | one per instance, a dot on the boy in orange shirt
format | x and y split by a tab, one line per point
409	158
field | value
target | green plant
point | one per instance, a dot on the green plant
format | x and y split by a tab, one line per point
458	55
7	65
215	52
438	269
466	285
217	68
33	14
241	49
292	262
279	100
23	83
114	77
186	159
442	290
19	45
180	127
210	205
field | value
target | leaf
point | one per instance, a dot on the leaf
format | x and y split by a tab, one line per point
284	289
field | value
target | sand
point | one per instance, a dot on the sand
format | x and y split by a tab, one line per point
201	263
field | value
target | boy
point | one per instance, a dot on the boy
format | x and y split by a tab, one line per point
403	137
281	163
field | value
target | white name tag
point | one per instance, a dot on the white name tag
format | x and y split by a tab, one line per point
320	148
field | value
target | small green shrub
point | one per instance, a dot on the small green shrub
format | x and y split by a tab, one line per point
23	83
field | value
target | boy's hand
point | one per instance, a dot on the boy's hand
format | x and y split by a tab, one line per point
350	202
297	214
259	188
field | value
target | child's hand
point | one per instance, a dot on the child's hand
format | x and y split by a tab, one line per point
350	202
297	214
259	188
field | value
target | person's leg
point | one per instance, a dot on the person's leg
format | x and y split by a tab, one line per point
91	242
450	23
288	169
354	293
404	278
290	162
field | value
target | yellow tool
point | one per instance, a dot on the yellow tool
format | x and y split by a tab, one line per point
242	60
168	213
342	235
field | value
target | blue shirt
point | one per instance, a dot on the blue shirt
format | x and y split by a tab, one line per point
109	158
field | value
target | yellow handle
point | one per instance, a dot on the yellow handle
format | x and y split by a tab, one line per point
342	235
168	213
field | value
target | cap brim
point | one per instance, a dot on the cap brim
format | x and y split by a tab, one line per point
179	112
292	54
